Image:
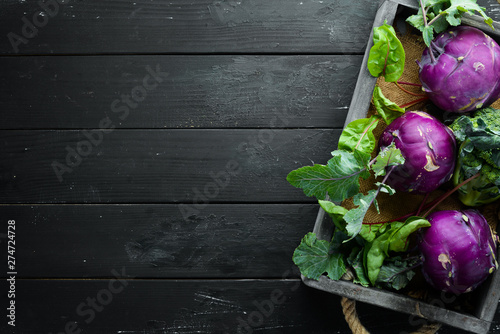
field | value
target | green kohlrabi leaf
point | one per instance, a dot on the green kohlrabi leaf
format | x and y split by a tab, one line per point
387	56
416	21
440	24
358	135
375	254
370	231
398	241
385	188
355	260
428	35
387	109
354	217
315	257
393	239
435	3
336	212
389	156
440	14
396	272
339	178
458	7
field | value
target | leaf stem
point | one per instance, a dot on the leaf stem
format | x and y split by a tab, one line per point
409	83
424	12
383	182
432	205
409	104
407	91
422	204
447	194
426	24
431	22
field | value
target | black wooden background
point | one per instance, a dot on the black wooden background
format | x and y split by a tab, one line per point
144	147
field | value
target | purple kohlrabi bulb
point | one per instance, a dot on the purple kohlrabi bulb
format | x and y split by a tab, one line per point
460	71
458	250
428	147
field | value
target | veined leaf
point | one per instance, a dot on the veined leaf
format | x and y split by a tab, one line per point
358	135
370	231
396	272
440	14
393	239
428	35
354	217
457	7
389	156
398	241
375	254
315	257
336	212
433	3
440	24
387	56
355	260
385	188
416	20
387	109
339	178
479	135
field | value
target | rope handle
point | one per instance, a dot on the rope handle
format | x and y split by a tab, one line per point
352	318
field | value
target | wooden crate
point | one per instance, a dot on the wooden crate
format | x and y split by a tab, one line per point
486	296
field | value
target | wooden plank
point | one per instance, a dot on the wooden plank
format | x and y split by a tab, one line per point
195	167
189	306
70	92
202	26
234	240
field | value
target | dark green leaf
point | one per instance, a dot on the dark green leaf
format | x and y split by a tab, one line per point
435	3
440	25
375	254
358	135
336	212
396	273
398	241
370	231
416	21
387	56
480	135
453	16
355	260
428	35
393	239
458	7
385	188
315	257
354	217
445	13
387	109
389	156
339	178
